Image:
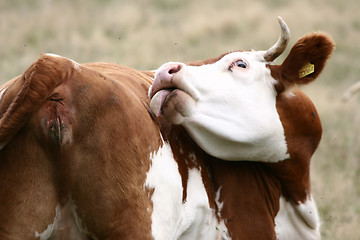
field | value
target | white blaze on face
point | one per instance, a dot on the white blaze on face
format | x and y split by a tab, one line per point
171	217
297	222
235	116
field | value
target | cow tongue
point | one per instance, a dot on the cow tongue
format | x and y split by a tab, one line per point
158	100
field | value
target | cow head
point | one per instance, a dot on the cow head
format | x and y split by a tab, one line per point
228	104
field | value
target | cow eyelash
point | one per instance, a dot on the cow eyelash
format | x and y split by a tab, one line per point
238	63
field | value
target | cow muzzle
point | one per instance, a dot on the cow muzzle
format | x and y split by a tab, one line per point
172	93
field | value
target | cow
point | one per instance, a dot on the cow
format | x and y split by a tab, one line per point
212	149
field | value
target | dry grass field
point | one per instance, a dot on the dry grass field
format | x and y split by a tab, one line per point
146	33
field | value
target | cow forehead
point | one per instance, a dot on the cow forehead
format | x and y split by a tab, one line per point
252	56
254	59
219	76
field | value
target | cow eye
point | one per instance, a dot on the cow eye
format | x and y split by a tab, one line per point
241	64
238	63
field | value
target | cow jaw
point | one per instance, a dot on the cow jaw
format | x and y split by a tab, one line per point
233	116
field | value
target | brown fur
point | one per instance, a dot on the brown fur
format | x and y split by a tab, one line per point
31	89
303	134
104	165
250	195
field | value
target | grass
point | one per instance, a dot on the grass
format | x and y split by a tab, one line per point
146	33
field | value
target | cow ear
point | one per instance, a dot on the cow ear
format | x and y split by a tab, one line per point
305	61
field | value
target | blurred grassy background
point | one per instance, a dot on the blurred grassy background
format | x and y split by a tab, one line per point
146	33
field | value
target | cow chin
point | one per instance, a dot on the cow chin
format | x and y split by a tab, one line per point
177	106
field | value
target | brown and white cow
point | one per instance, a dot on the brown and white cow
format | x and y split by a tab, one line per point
224	155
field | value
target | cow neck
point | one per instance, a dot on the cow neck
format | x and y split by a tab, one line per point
187	155
236	185
248	194
303	134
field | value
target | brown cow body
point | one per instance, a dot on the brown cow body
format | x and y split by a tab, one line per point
64	154
83	157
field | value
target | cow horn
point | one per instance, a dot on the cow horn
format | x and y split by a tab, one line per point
280	46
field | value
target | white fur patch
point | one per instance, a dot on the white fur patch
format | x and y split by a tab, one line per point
224	235
198	220
66	224
217	201
171	217
50	228
297	222
80	226
165	179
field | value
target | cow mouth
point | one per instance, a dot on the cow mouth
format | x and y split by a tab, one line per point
178	99
159	99
171	93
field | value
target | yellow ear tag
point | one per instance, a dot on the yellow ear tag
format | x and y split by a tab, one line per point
307	69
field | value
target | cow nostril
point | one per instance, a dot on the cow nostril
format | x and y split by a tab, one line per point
174	69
